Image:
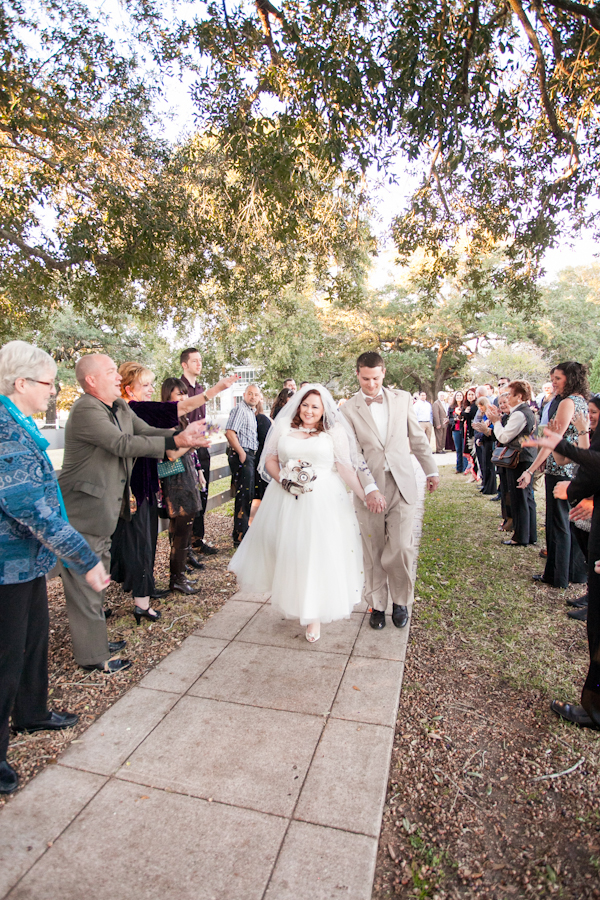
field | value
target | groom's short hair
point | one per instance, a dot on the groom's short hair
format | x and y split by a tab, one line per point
369	360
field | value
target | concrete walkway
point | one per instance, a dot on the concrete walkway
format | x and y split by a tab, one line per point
248	764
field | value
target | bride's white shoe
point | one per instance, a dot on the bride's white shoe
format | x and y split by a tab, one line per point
315	633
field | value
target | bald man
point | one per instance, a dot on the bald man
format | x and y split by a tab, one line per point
103	437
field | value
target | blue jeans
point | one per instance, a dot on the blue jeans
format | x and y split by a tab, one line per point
461	462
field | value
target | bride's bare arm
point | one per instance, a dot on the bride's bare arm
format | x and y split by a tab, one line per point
349	477
272	466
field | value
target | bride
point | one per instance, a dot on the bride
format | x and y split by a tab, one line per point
304	545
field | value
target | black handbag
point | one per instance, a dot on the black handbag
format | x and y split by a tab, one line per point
506	457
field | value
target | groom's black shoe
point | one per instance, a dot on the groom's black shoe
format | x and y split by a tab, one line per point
399	615
377	619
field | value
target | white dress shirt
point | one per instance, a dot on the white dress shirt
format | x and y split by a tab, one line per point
381	415
423	411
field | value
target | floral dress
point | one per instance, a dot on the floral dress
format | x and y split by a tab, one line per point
570	435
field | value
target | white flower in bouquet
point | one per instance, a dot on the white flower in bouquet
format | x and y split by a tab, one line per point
295	477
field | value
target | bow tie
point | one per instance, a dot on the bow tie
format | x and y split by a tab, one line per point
377	399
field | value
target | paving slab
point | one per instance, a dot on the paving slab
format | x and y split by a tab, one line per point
230	619
109	741
388	643
243	755
249	765
154	845
273	677
345	787
251	597
322	864
35	818
182	667
370	691
270	627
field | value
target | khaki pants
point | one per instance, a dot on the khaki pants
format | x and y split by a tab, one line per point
428	429
388	549
85	609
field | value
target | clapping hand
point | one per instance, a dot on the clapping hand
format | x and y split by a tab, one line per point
581	421
493	413
226	382
193	436
550	440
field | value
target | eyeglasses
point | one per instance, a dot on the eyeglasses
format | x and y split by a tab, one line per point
37	381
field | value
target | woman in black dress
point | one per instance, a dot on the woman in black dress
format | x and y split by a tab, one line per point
585	483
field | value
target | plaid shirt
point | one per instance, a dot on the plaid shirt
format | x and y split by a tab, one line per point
242	420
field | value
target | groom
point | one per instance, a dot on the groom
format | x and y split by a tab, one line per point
387	432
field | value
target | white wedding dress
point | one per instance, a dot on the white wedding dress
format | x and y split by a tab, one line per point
305	552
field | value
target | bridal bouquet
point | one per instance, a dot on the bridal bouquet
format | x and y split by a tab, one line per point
295	477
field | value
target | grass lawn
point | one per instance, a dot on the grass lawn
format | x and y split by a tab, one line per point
471	810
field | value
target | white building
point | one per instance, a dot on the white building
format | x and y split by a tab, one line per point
217	411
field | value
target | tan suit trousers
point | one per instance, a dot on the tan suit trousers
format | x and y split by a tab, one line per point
85	609
388	549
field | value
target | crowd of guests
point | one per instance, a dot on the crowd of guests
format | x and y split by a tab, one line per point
493	433
130	460
127	460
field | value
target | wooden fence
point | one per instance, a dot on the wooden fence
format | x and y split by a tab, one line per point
216	475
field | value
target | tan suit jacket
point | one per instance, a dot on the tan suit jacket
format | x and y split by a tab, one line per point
99	457
404	435
440	416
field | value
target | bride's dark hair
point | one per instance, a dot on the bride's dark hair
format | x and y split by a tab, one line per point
297	421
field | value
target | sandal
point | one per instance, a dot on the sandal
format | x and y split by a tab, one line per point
311	637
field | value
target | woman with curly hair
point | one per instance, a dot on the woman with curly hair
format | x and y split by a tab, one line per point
565	562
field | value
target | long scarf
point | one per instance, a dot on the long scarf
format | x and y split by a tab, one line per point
28	425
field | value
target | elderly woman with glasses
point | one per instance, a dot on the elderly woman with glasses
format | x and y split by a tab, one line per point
34	531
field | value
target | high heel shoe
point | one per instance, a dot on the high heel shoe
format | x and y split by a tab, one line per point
312	636
140	613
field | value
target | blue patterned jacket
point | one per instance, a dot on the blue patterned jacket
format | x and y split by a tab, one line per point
32	531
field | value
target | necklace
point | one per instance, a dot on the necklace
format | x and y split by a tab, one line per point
306	430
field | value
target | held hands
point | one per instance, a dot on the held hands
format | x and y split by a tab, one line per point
582	511
375	502
97	578
193	436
